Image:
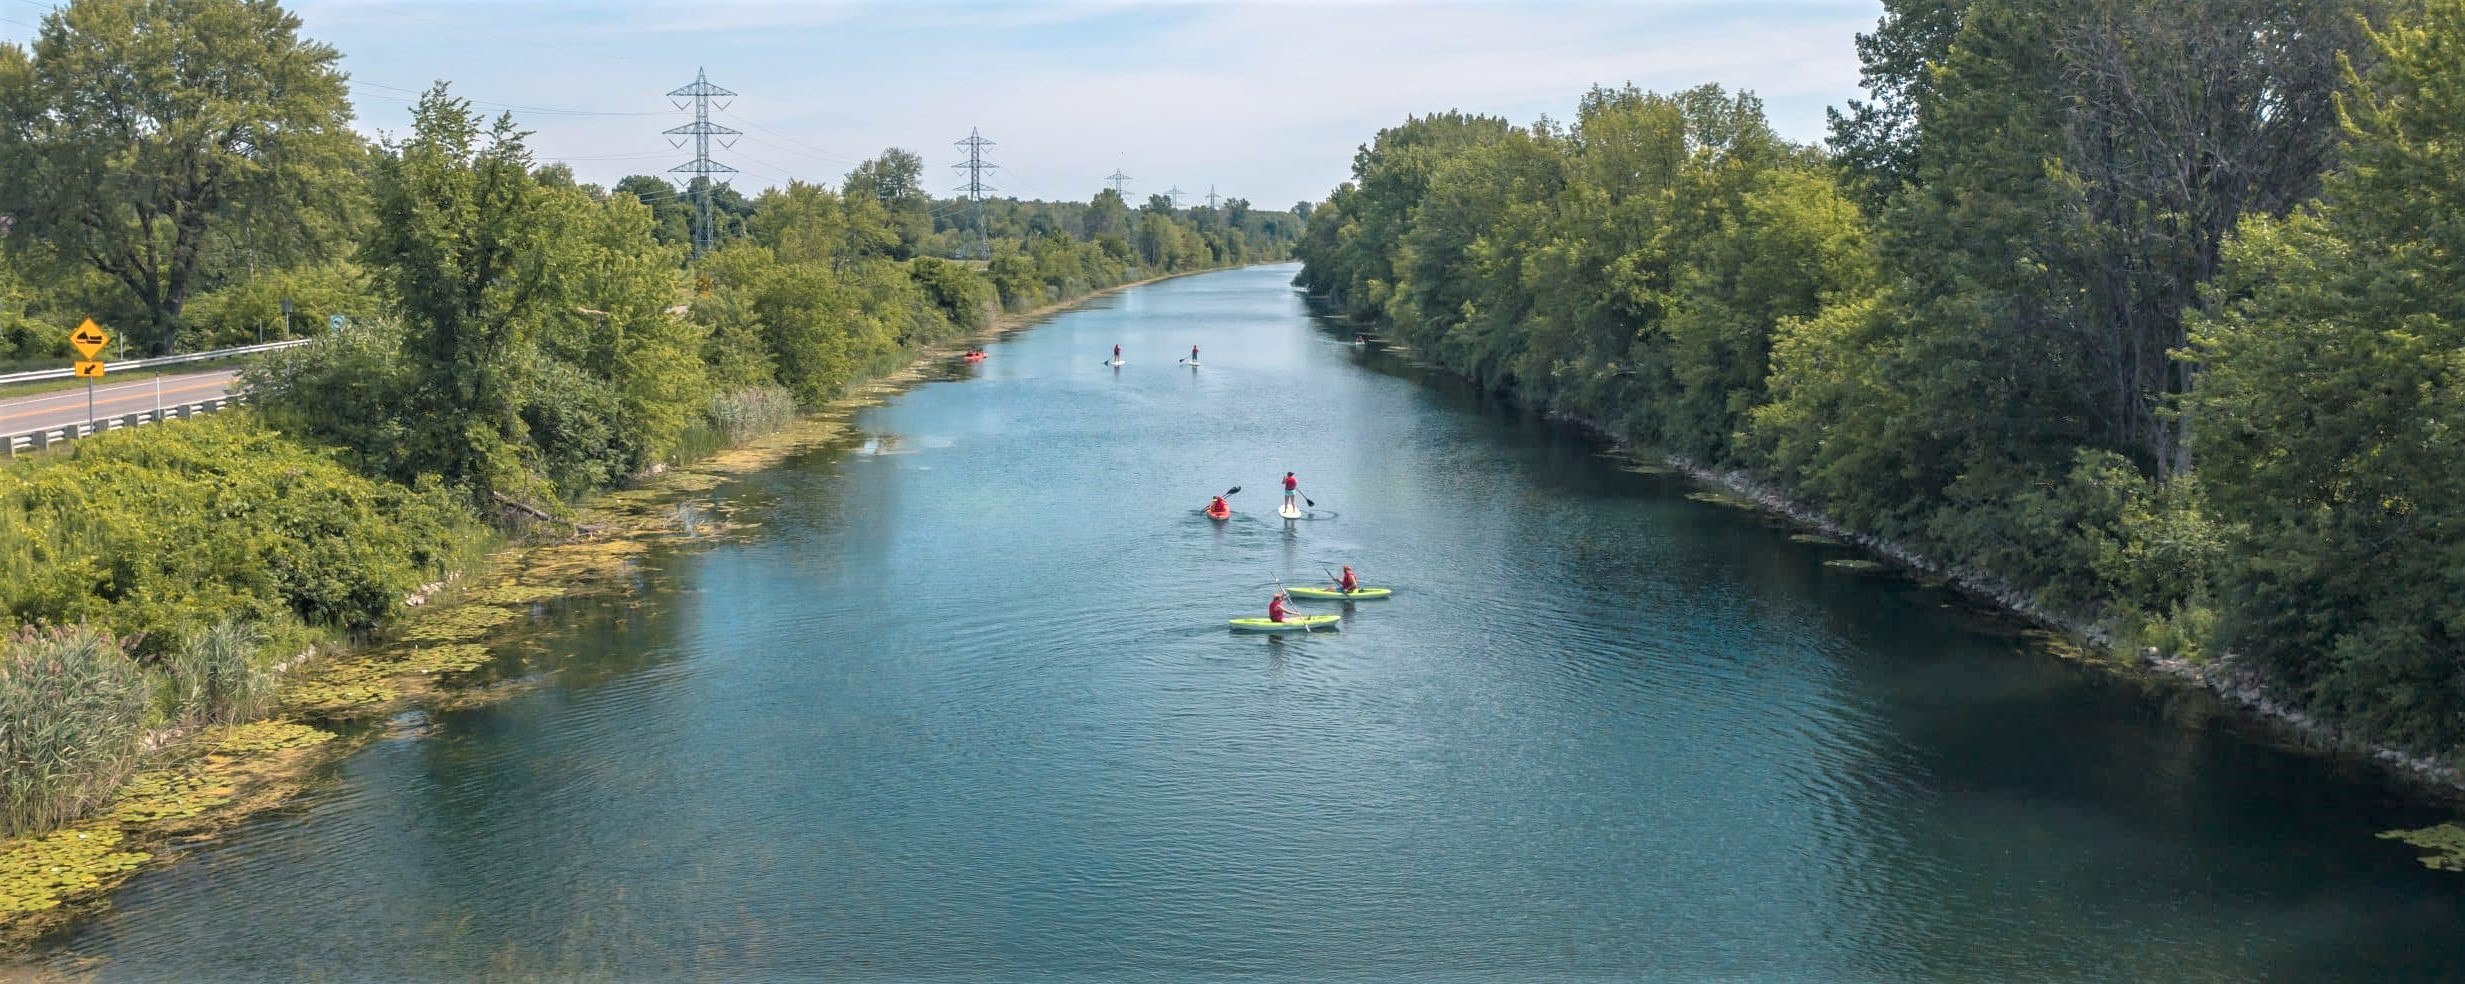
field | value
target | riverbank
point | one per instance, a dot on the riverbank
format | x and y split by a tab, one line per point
2223	677
460	644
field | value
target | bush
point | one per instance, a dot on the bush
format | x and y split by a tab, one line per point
72	714
149	532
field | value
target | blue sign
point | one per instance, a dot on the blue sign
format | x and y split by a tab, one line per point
334	322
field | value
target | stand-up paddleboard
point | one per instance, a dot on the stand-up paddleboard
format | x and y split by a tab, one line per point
1115	363
1193	363
1289	511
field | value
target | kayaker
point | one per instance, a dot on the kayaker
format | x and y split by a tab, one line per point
1219	508
1275	607
1347	583
1292	487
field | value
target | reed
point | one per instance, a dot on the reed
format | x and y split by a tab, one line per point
73	711
218	677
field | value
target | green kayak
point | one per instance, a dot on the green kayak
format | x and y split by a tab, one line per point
1291	623
1331	594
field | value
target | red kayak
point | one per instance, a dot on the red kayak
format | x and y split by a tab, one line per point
1224	513
975	356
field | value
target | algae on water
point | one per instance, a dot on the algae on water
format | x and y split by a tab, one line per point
2446	843
457	624
1853	564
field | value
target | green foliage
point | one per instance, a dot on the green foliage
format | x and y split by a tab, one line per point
207	520
2330	410
145	137
73	707
250	310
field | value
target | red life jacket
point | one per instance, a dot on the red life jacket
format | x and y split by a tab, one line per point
1291	483
1275	609
1350	582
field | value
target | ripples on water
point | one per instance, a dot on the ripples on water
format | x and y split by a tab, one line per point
968	710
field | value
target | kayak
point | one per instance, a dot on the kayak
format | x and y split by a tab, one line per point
1331	594
977	357
1291	623
1212	514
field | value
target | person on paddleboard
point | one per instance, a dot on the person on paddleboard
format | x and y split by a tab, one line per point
1292	487
1116	352
1347	583
1193	353
1275	607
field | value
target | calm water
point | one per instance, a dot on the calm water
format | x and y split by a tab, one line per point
967	710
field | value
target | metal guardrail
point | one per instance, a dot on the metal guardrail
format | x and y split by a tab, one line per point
66	372
29	442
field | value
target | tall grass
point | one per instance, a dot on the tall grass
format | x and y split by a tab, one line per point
217	675
73	710
733	418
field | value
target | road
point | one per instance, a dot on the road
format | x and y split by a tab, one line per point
61	408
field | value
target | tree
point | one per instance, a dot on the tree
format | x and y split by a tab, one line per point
2331	408
465	246
142	137
895	181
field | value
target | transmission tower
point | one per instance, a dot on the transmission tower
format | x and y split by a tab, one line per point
975	166
1175	194
1211	197
1119	181
701	167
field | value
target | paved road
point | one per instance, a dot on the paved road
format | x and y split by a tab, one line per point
61	408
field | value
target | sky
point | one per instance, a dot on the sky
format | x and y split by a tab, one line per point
1267	101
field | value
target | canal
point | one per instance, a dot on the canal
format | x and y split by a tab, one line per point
966	707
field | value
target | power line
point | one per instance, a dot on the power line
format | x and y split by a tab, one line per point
701	166
412	95
975	167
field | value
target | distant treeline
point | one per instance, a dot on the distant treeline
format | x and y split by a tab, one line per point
2155	312
179	168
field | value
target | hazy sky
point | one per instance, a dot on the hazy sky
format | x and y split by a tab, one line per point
1266	101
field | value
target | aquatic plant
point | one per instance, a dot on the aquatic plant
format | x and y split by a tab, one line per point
1853	564
459	623
456	658
72	711
38	874
2446	843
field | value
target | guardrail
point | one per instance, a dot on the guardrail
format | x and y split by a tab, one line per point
29	442
66	372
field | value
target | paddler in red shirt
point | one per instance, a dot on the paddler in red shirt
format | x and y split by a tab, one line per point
1275	607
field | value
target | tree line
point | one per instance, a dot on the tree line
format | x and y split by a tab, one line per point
2150	311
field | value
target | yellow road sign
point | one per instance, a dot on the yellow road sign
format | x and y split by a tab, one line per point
89	370
89	339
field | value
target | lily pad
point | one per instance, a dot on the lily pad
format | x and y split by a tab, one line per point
1853	564
1816	539
459	623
